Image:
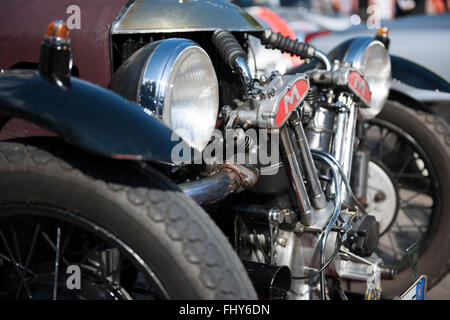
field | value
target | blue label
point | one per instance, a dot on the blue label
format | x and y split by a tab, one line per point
420	290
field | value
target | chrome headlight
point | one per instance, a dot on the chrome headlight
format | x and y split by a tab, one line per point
372	59
175	80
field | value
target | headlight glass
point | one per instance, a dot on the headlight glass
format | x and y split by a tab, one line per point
174	80
376	67
192	97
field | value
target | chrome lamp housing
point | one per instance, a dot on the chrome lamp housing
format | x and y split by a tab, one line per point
174	80
371	57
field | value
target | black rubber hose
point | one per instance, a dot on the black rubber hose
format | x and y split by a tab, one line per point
228	47
274	40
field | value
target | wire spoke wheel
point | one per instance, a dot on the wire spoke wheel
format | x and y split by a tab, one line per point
416	196
49	253
126	229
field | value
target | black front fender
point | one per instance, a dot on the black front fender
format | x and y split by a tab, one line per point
417	76
87	115
419	88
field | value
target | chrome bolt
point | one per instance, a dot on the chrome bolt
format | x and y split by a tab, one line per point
276	216
288	215
263	79
282	242
274	74
272	92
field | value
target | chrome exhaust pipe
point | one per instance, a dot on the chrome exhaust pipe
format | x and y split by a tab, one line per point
270	282
227	179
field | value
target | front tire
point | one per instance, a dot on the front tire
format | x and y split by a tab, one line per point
165	229
414	148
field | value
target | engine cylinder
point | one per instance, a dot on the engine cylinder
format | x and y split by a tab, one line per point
319	130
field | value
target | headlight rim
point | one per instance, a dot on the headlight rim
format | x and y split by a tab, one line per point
358	47
354	54
156	74
163	56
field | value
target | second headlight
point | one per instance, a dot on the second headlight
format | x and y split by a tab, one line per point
371	57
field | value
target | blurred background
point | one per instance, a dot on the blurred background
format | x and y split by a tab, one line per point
342	14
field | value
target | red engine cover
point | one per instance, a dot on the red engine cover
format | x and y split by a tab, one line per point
291	99
359	86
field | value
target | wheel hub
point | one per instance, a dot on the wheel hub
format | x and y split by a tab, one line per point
382	198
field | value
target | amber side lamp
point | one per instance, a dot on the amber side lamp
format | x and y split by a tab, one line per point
383	36
56	57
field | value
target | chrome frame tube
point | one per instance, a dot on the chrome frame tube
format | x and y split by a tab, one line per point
349	140
245	74
322	57
339	139
318	196
306	210
343	143
360	173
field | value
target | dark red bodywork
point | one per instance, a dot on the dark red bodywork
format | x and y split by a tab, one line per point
23	22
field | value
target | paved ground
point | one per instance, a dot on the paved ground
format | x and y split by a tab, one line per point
441	291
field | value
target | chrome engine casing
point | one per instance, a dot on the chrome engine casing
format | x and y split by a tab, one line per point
266	101
145	16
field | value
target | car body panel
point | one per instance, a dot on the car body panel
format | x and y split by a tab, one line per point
24	22
23	25
88	116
